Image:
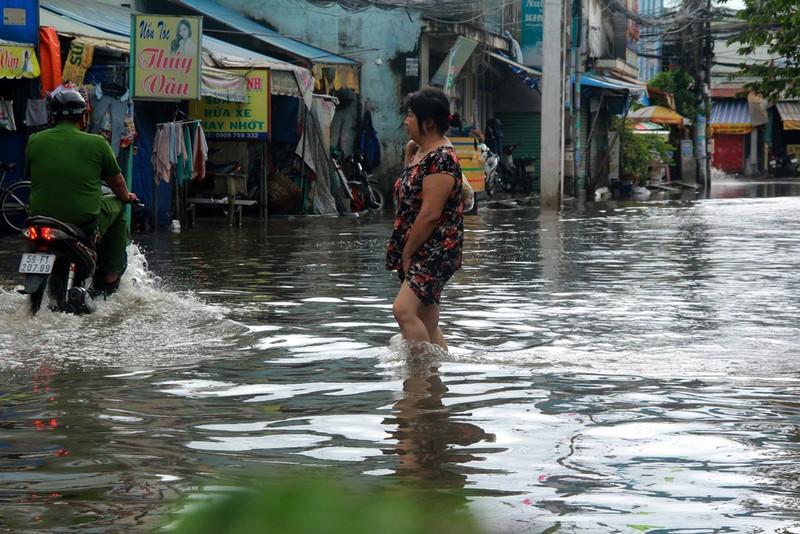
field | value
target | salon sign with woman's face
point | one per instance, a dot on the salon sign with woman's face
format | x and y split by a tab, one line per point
167	53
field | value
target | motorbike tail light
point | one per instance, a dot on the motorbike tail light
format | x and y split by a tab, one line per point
48	234
30	233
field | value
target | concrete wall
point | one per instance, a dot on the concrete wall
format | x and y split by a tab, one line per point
379	39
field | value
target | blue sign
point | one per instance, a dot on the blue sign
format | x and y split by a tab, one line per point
532	32
20	21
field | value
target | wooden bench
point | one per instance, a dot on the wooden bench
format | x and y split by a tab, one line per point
235	184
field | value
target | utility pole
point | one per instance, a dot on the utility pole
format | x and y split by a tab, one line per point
699	68
707	101
552	104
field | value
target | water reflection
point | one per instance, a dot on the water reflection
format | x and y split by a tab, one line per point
432	445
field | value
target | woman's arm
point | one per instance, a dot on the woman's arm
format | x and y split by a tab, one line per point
410	147
436	189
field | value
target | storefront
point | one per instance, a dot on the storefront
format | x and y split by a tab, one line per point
730	129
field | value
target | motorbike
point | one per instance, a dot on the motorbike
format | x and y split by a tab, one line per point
59	267
366	194
783	165
507	176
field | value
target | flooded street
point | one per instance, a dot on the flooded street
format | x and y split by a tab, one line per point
623	366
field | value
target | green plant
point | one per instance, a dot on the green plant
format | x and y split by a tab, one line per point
639	150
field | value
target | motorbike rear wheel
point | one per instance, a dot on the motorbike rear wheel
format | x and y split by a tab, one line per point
54	290
375	199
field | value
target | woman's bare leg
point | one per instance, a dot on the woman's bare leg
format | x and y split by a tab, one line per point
430	318
407	309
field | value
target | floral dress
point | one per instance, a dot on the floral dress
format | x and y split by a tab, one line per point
440	256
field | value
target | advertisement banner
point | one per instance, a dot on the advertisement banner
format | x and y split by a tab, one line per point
224	119
455	61
532	32
79	59
168	57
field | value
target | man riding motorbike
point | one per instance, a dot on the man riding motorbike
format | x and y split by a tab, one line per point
67	166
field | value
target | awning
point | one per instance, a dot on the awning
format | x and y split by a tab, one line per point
330	70
790	114
286	79
591	81
657	114
110	19
730	117
18	60
69	27
529	76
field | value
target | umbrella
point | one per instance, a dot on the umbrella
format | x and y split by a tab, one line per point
657	114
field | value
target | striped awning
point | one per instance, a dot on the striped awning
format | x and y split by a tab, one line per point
731	117
790	114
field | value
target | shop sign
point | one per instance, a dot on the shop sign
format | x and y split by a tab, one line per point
167	57
224	119
732	129
18	61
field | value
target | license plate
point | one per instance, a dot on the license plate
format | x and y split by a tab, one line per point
37	263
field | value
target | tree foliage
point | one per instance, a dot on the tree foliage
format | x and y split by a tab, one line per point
680	84
774	26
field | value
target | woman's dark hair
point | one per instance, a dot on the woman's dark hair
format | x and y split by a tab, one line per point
430	103
176	42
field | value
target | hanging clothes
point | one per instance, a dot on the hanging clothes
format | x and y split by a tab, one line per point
200	152
109	101
179	147
36	115
7	115
368	142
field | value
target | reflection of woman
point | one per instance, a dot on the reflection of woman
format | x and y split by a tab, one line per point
425	246
183	43
429	441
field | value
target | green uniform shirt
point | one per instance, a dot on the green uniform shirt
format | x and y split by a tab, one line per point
65	166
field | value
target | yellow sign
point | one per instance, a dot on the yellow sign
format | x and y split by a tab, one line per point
223	119
18	62
168	57
732	129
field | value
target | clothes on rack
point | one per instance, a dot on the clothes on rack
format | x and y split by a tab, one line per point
181	147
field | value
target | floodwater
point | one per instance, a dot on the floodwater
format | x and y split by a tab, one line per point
617	367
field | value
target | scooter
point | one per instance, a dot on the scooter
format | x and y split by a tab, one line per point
506	176
366	194
783	165
60	267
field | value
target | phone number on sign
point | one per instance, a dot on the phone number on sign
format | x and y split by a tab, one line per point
235	135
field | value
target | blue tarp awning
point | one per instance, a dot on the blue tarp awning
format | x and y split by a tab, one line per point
108	18
730	112
238	21
731	117
590	79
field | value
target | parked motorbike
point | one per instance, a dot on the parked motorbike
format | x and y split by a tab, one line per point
364	188
783	165
60	267
507	176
